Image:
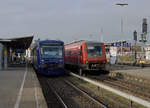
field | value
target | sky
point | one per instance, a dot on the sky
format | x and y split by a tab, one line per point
70	20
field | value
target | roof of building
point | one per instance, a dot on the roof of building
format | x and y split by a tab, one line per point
18	42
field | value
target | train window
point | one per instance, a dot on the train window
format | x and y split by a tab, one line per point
51	51
90	47
94	50
81	50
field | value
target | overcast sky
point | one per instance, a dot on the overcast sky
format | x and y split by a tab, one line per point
70	20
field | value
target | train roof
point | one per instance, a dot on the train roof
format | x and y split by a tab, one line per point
22	42
83	41
41	41
57	41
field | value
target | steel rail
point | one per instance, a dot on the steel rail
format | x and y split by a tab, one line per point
130	79
132	83
137	86
87	95
113	90
58	96
131	90
126	86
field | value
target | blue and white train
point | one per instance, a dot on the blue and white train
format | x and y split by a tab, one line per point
48	57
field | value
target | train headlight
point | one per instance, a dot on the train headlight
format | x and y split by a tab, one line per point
42	61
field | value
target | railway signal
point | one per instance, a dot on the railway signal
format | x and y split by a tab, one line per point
143	38
135	35
144	31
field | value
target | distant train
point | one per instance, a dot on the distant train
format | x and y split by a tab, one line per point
85	55
48	57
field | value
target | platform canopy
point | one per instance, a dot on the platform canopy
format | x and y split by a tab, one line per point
18	44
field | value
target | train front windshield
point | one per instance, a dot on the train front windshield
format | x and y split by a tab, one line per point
94	50
51	51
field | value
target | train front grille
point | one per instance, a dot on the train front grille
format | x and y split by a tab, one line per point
51	65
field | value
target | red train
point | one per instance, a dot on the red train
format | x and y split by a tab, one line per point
85	55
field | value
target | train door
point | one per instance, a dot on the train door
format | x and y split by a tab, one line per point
81	54
80	57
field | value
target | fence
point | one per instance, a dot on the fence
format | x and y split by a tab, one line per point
130	58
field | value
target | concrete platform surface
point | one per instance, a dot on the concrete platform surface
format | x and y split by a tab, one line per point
20	88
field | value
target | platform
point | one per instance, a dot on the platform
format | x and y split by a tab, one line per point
20	88
139	72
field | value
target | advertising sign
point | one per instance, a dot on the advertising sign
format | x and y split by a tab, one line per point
113	51
113	54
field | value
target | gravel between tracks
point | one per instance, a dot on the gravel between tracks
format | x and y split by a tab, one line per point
51	98
71	97
124	85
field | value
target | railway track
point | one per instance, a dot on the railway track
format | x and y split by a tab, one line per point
58	96
131	86
87	95
100	96
112	82
72	96
52	98
61	93
127	86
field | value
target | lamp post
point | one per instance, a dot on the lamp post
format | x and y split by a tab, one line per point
121	4
135	50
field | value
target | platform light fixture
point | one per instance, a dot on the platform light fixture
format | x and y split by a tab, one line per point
121	4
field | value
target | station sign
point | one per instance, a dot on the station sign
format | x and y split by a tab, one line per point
122	44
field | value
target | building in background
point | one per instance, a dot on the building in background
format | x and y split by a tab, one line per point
127	56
